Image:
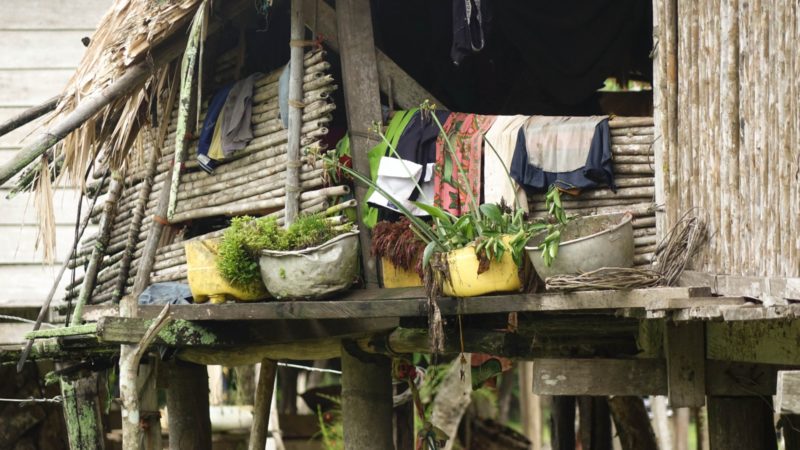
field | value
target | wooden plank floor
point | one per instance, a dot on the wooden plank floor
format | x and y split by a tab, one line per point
411	302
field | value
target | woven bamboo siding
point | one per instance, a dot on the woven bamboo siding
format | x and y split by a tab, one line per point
731	148
255	175
634	169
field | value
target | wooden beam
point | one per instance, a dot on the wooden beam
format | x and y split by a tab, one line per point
411	302
765	342
686	370
362	103
599	377
406	92
82	414
747	286
787	397
742	422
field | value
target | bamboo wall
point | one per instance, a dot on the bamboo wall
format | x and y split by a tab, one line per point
727	79
251	183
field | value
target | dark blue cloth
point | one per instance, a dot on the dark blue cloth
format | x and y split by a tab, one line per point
207	133
598	171
418	141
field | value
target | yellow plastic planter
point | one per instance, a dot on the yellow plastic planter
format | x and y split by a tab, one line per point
502	275
205	281
396	277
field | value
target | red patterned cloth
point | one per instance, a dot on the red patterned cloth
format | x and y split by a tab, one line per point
465	132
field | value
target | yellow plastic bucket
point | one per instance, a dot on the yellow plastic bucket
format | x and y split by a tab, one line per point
205	281
396	277
502	275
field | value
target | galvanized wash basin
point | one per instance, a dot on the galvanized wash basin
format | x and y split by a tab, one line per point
588	243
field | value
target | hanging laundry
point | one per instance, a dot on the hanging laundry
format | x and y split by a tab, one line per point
471	20
418	141
209	124
236	128
498	151
399	178
453	188
215	149
572	152
395	129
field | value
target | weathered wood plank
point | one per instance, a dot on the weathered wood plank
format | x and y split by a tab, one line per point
766	342
27	87
740	379
599	377
743	422
681	303
747	286
50	14
685	351
26	49
787	395
411	302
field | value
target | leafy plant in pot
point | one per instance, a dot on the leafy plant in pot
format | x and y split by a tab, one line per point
312	258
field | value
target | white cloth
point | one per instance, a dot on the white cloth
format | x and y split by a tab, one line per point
497	183
397	178
559	143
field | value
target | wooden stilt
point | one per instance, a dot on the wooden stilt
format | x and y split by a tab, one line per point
148	374
82	414
790	428
741	422
404	437
633	426
595	423
658	405
187	405
530	406
263	404
562	422
362	101
681	421
366	402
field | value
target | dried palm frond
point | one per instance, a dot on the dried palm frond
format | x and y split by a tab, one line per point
683	241
44	209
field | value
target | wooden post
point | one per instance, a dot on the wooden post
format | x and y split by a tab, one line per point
741	422
148	376
263	404
295	112
681	421
633	426
404	436
530	406
187	404
362	102
685	348
562	423
595	423
82	414
366	402
790	428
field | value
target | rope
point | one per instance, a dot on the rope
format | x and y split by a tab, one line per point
23	401
20	319
310	369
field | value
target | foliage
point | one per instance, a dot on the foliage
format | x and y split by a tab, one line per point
397	242
330	426
549	246
243	241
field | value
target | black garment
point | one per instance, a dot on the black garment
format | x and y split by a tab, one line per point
597	172
418	141
471	21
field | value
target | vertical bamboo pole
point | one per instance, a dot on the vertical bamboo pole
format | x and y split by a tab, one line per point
729	129
672	90
187	83
89	278
660	115
295	112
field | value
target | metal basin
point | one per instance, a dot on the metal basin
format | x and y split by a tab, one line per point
588	243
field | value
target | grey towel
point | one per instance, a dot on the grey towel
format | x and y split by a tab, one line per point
236	114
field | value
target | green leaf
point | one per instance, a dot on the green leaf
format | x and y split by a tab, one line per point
427	254
553	249
436	212
492	211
